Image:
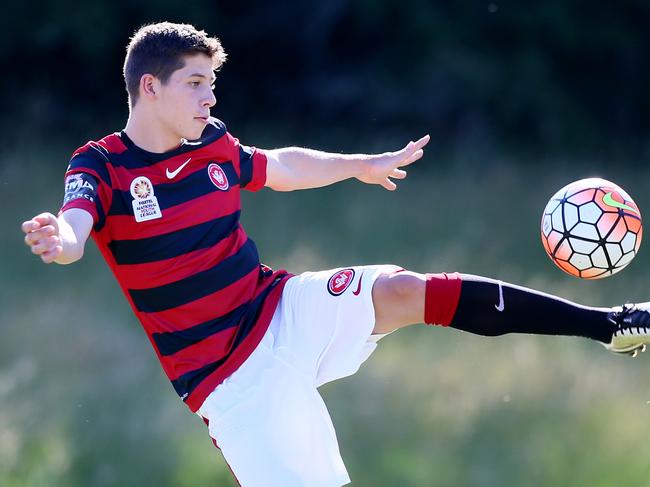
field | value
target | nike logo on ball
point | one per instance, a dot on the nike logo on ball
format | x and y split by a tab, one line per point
501	306
173	174
609	200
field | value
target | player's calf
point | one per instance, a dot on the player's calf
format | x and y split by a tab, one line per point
489	307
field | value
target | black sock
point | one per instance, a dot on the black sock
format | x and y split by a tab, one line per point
491	308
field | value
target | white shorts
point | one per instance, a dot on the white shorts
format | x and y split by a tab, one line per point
268	418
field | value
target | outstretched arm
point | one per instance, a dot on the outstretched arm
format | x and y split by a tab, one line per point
297	168
61	239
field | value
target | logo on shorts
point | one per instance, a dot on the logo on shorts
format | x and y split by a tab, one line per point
218	177
340	281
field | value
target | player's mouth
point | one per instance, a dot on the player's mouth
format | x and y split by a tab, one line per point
202	119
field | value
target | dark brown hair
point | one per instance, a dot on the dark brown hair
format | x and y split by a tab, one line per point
158	49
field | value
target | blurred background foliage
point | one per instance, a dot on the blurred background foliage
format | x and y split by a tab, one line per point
519	97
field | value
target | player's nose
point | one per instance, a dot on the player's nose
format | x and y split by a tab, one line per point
209	101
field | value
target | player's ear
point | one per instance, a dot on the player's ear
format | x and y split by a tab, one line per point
149	86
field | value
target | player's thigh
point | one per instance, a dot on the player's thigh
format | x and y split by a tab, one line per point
327	320
274	429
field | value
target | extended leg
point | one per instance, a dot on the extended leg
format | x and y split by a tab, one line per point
489	307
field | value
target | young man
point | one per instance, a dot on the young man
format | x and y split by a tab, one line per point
244	346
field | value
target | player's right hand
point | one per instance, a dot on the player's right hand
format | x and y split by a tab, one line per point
42	237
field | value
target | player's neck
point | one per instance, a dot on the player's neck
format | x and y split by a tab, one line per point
149	134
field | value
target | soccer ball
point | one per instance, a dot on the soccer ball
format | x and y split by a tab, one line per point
591	228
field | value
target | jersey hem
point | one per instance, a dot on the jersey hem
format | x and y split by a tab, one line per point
239	356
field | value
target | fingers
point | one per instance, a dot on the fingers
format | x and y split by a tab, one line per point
42	236
421	142
417	145
396	174
45	245
389	185
412	152
39	221
412	158
35	236
45	219
30	226
51	255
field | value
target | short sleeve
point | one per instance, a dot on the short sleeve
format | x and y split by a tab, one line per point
251	163
88	185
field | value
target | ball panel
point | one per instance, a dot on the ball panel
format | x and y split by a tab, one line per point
583	246
599	259
625	260
553	240
585	231
629	242
563	251
547	225
568	268
552	205
618	232
580	261
590	212
557	220
614	251
594	273
606	222
633	224
582	196
570	215
615	270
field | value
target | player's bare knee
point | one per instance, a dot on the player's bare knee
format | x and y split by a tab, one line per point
399	299
398	287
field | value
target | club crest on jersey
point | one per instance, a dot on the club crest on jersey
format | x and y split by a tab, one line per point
218	177
145	204
340	281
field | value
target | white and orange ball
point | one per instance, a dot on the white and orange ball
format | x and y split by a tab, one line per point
591	228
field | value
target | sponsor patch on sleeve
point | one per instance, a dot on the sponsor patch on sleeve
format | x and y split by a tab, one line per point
80	185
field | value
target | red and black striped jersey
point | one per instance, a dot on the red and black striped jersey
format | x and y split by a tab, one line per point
168	226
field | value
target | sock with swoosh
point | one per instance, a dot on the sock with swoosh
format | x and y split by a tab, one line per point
491	308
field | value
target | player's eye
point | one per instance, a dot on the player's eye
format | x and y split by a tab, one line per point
195	84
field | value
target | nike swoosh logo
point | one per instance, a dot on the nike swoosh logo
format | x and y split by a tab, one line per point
501	306
173	174
609	200
356	293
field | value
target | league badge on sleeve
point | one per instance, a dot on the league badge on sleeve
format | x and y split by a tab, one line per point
145	204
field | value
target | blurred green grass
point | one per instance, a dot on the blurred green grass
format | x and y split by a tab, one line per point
83	401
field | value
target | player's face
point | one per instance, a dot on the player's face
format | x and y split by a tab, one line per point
186	98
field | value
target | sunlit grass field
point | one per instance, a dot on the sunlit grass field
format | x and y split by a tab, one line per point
84	403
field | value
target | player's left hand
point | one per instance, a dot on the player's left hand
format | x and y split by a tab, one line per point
383	168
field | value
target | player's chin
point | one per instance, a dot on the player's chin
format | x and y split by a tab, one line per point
195	130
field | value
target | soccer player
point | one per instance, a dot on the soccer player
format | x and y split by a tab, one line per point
244	346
